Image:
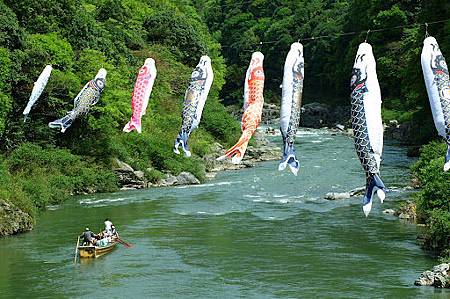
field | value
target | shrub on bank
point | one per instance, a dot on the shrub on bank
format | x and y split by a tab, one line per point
49	176
433	205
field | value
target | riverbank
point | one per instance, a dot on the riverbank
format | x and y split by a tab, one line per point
125	177
57	175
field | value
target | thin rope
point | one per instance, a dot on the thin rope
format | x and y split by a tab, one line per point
367	36
336	35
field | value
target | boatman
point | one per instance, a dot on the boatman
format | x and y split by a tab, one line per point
108	227
115	233
89	237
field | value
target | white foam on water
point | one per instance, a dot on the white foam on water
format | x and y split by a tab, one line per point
252	196
184	213
279	195
313	199
208	185
258	200
108	200
316	141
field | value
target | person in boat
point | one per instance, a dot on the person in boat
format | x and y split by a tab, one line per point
89	238
115	233
108	227
103	241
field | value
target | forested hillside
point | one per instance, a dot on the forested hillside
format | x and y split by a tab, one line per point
40	165
241	25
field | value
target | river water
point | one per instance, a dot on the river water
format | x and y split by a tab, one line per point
254	233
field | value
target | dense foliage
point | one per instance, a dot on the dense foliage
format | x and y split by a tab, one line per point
41	166
241	25
433	205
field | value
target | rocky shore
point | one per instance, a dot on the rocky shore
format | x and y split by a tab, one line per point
263	150
319	115
313	115
13	220
438	277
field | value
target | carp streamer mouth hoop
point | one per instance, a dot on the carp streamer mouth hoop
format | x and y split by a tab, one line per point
367	36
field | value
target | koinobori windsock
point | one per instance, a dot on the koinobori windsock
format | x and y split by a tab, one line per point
194	101
366	122
87	97
141	94
435	73
291	101
38	88
253	106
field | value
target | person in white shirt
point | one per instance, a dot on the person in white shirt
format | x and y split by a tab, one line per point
108	227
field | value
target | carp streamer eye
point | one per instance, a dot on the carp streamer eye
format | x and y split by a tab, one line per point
100	83
195	74
353	80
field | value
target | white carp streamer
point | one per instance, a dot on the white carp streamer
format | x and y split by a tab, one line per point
435	74
291	102
366	122
38	88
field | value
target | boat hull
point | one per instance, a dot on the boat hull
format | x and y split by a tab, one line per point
95	251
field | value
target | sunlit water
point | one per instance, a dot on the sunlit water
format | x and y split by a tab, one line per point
254	233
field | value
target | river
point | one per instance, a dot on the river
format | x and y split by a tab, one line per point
254	233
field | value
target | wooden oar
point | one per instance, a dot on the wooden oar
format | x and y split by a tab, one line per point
128	245
76	251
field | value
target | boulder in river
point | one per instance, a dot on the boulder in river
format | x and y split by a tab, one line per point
319	115
315	115
407	211
169	180
128	178
438	277
336	196
345	195
187	178
405	133
389	212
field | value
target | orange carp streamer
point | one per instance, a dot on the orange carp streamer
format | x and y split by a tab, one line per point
253	105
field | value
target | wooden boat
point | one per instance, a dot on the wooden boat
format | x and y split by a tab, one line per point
92	251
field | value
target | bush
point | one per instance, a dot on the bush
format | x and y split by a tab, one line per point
177	31
433	205
11	191
220	123
11	34
49	49
50	175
